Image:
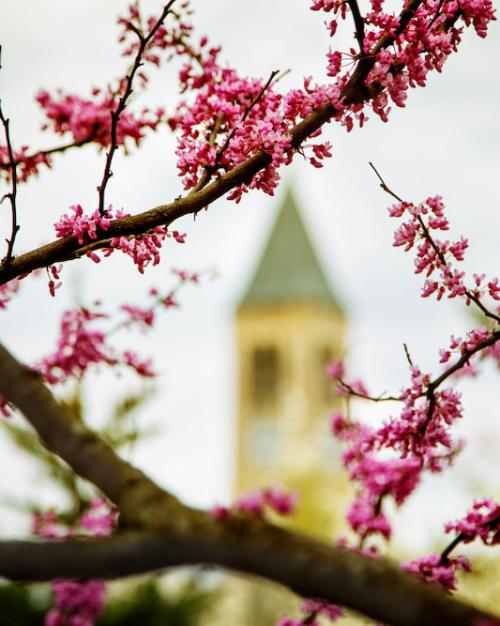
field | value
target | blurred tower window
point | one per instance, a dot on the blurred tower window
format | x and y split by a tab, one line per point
265	376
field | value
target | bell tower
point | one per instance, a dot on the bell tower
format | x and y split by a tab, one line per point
289	325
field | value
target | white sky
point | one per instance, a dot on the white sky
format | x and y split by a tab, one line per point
445	141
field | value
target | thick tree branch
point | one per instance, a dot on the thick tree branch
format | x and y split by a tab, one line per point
65	435
68	248
309	568
178	535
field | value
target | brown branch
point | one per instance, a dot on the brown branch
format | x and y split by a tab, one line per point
50	151
359	23
122	103
65	435
311	569
364	396
13	193
68	248
175	534
462	537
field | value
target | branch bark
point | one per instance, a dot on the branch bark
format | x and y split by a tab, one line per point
172	534
373	587
68	248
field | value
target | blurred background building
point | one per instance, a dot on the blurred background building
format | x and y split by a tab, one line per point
289	325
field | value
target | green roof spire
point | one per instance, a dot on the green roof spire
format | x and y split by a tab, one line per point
289	270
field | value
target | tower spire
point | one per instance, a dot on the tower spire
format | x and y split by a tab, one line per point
289	270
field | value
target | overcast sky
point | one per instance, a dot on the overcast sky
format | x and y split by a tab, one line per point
445	141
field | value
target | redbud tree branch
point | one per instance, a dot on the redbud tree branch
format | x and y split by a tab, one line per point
68	248
49	151
122	103
305	566
12	195
470	294
167	533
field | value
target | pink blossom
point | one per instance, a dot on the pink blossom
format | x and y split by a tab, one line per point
138	314
281	501
90	119
482	521
320	607
433	569
259	501
5	407
80	346
99	519
335	369
7	290
80	225
76	603
365	519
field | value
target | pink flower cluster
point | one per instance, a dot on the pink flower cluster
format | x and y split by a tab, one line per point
170	36
7	291
143	249
83	227
312	610
434	569
144	317
76	603
90	120
423	427
80	346
376	478
420	46
420	437
228	118
5	407
482	521
28	164
434	255
258	502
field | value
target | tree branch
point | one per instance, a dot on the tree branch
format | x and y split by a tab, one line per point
12	195
179	535
122	103
65	435
470	294
374	587
68	248
49	151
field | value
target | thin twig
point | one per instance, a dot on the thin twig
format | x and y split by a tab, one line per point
359	23
428	237
495	521
408	356
12	195
471	295
49	151
352	392
122	103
